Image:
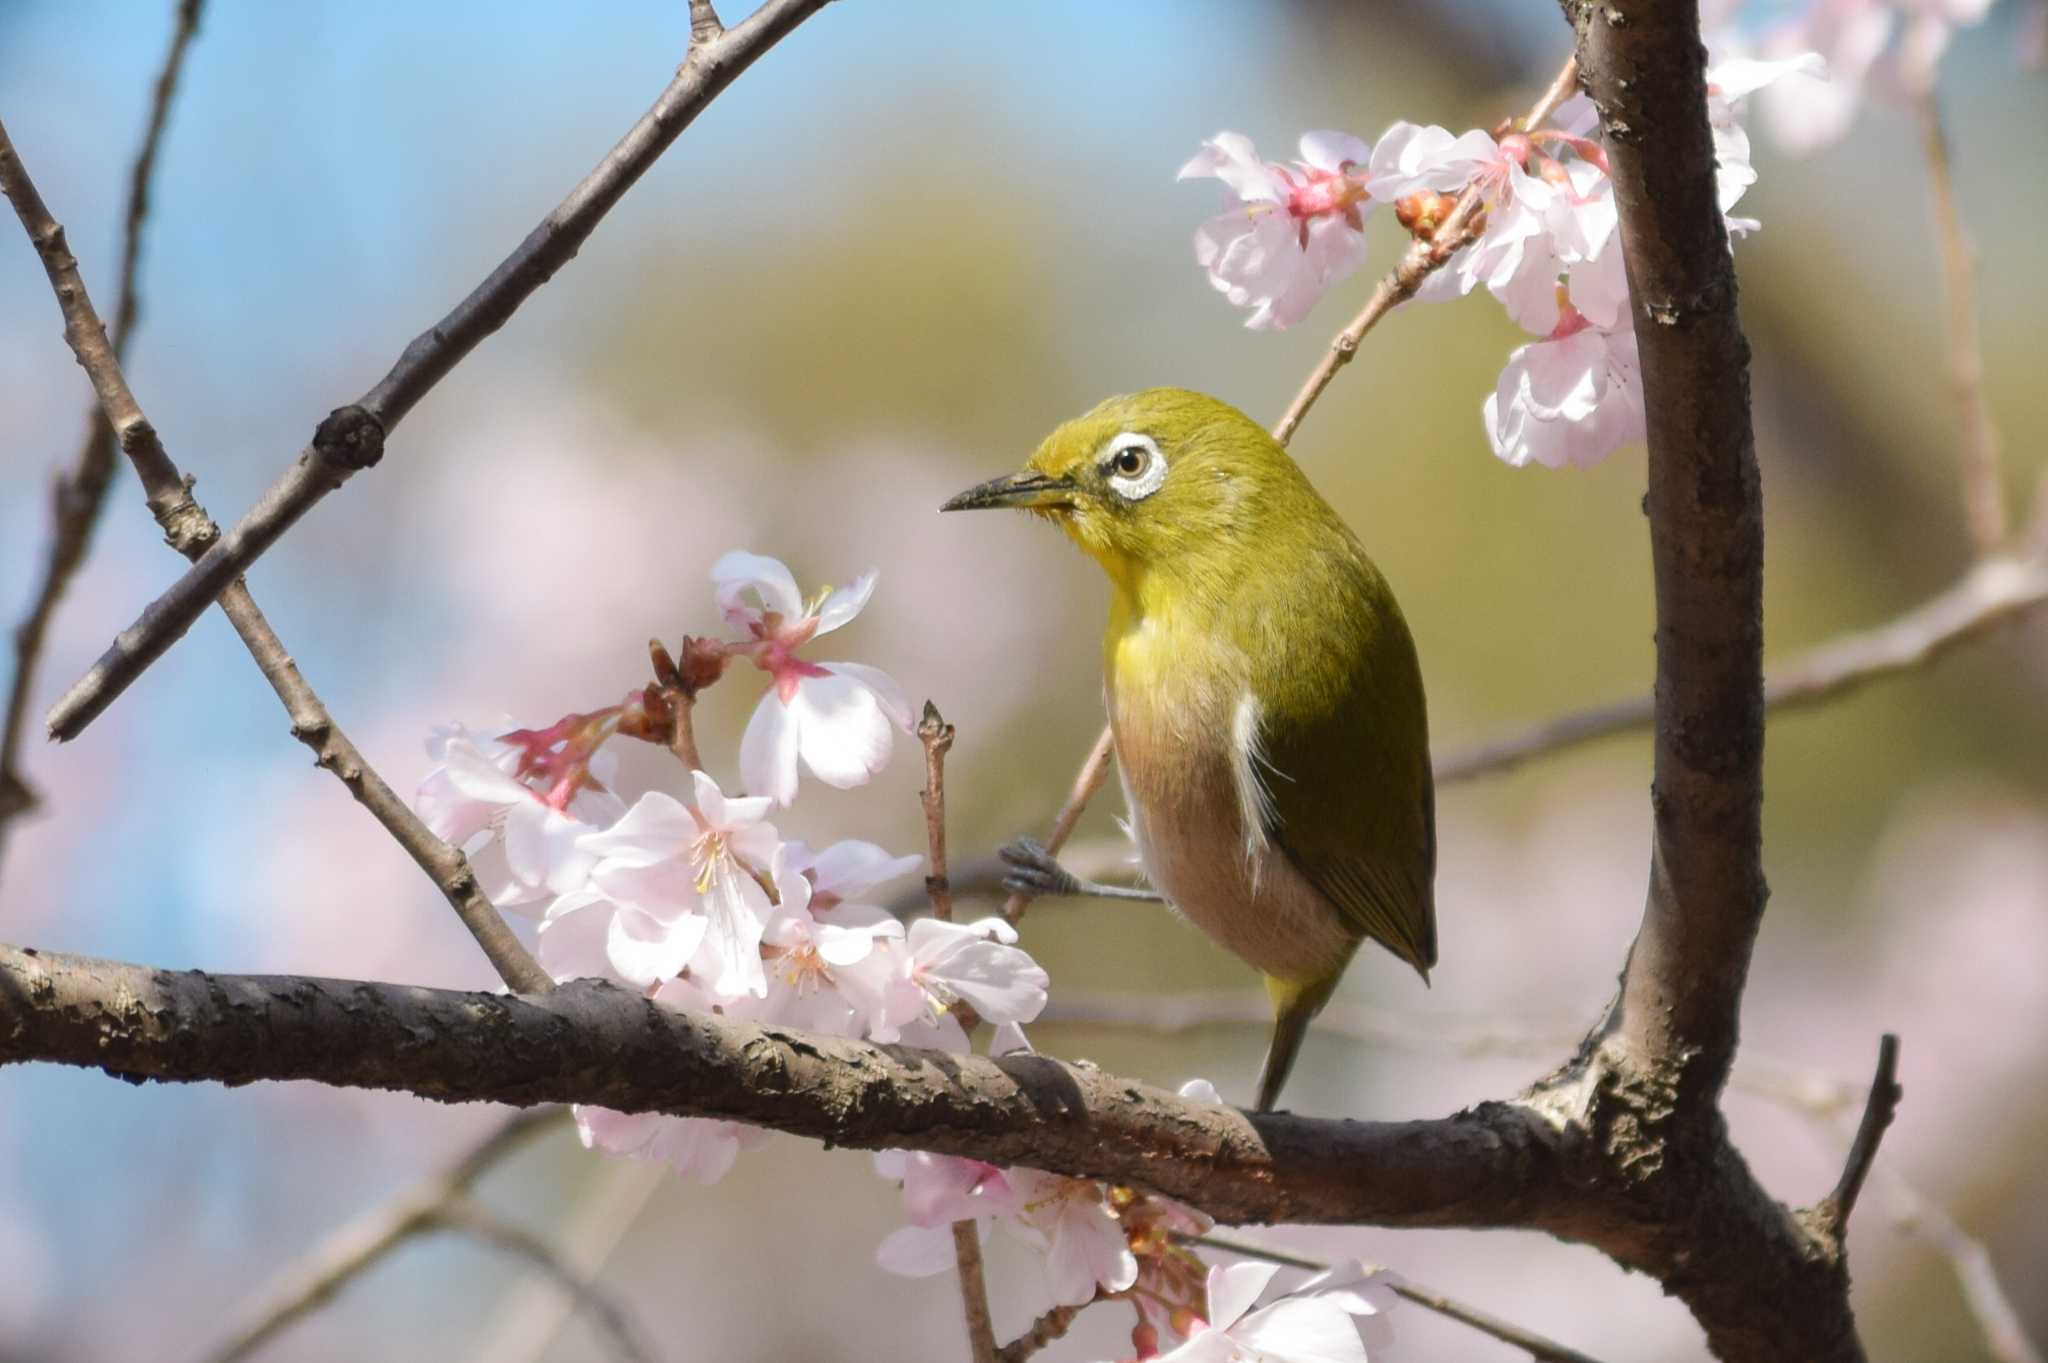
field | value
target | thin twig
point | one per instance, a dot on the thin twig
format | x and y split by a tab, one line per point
351	1249
462	1214
352	438
1094	768
981	1330
522	1327
1997	589
188	529
2005	1335
1422	259
1538	1347
76	496
1878	1112
1983	485
1047	1328
937	737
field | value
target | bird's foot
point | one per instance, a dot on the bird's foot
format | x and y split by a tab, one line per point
1035	871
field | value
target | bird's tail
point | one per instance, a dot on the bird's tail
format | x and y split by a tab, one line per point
1295	1005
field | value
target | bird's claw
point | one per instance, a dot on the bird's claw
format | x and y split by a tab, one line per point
1035	871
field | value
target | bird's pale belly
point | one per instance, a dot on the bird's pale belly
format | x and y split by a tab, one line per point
1191	837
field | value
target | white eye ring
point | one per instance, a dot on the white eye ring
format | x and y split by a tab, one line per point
1134	464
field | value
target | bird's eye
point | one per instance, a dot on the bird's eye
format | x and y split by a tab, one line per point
1134	466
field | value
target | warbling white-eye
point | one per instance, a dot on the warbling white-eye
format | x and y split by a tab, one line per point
1263	689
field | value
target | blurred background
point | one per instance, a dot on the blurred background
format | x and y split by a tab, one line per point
878	269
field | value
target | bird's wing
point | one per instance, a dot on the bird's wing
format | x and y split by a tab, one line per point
1344	758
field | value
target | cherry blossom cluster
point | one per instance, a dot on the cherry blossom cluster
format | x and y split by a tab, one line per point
700	902
1542	239
1106	1243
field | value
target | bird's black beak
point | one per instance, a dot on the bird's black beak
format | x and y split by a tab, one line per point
1029	489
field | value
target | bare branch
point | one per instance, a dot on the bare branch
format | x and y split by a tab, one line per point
1047	1328
77	495
1645	70
1878	1112
981	1330
590	1042
937	737
462	1214
704	24
2005	1335
1996	590
350	1250
1423	258
1983	485
352	438
189	530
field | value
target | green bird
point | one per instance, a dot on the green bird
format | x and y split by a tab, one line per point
1263	689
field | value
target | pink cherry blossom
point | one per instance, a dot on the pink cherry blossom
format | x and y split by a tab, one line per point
1073	1224
523	839
674	884
1884	48
1293	231
940	963
837	717
1308	1326
1569	400
937	1191
805	951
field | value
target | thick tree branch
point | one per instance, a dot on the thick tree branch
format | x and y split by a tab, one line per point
352	438
188	529
77	496
1644	66
1997	590
589	1042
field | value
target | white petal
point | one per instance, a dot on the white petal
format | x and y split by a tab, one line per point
1301	1330
843	734
768	750
737	908
572	937
644	950
1233	1288
850	867
657	828
916	1251
1002	983
845	603
615	1133
1201	1091
727	814
1333	151
888	694
740	571
1009	1039
1231	158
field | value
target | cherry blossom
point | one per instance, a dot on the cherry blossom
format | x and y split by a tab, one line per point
838	717
1308	1326
478	797
674	884
1073	1224
1568	400
1888	48
805	950
938	964
1293	231
937	1191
